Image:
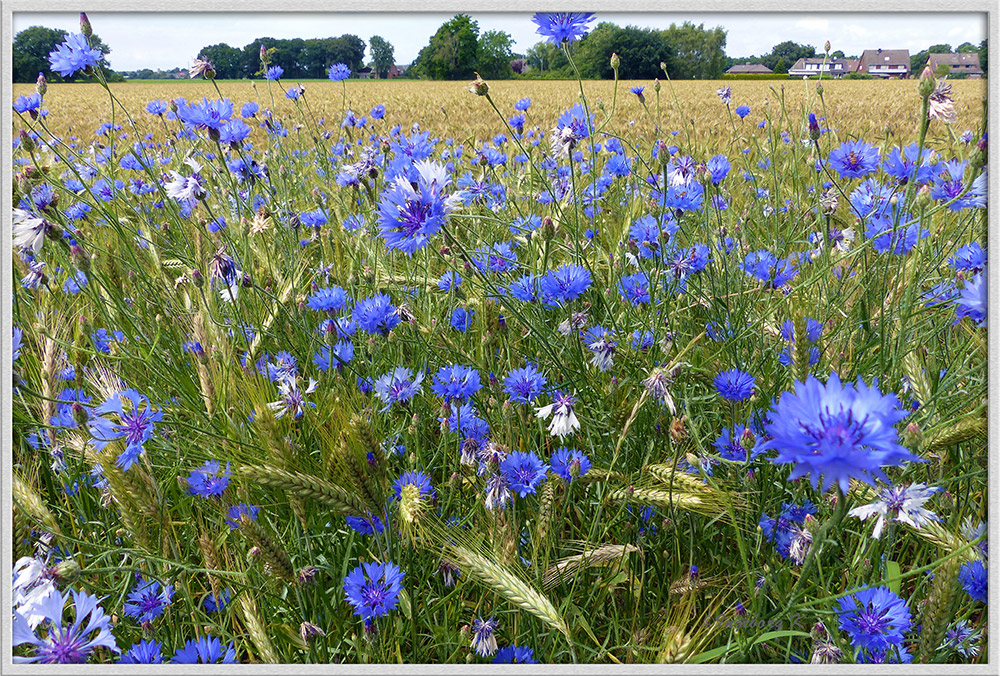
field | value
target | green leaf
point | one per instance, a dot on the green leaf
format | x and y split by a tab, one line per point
893	575
778	634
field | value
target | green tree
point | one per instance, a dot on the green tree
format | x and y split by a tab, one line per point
697	53
789	52
383	56
838	55
495	54
544	56
640	51
228	61
919	60
32	46
983	56
451	52
781	67
966	48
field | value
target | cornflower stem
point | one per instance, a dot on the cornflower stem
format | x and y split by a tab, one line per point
817	548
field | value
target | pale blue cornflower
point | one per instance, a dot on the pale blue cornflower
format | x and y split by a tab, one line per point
901	503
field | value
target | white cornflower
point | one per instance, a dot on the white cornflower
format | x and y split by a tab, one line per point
564	420
28	230
483	640
184	188
31	586
902	503
292	397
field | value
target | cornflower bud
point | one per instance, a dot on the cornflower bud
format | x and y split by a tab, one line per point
656	85
615	60
85	26
813	127
27	142
41	85
927	84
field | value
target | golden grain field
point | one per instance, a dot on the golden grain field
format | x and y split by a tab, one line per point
875	110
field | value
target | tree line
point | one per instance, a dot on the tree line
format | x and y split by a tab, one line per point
458	49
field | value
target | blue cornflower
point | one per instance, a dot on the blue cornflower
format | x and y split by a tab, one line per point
974	579
970	257
397	386
449	280
205	650
742	111
332	300
341	353
456	382
148	600
769	269
233	132
973	301
901	165
522	105
498	257
524	384
523	471
513	654
144	652
461	319
780	530
274	72
854	159
875	619
205	115
368	525
156	107
570	463
734	385
560	27
73	55
373	589
572	127
206	482
408	215
950	183
213	603
618	165
564	284
18	333
421	481
378	112
28	104
236	513
338	72
295	93
525	289
135	425
635	288
839	432
642	339
249	109
102	339
718	167
376	314
740	446
638	91
64	644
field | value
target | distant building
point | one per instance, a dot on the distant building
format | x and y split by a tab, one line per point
805	67
958	64
885	63
397	70
753	68
365	73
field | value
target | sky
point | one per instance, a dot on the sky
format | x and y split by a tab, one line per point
169	40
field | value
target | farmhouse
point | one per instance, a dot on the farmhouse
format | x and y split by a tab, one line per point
885	63
958	64
752	68
805	67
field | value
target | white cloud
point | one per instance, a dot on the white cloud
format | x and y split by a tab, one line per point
813	24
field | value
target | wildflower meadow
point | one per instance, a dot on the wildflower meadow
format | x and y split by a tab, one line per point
620	372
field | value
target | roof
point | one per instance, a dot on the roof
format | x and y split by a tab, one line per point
884	57
750	68
961	63
831	64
